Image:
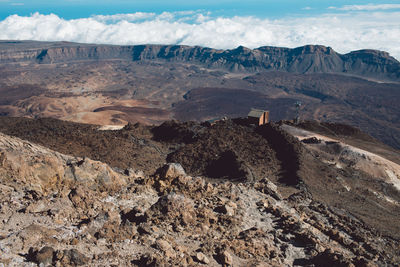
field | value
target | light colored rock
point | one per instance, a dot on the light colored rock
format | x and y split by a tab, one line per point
171	171
229	210
226	258
38	207
231	207
163	245
263	203
166	247
270	188
44	170
200	257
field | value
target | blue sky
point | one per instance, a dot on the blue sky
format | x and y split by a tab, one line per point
343	25
72	9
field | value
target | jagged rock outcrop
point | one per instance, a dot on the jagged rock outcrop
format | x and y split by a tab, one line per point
305	59
44	170
169	218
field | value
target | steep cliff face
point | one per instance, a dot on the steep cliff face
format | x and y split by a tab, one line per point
305	59
366	62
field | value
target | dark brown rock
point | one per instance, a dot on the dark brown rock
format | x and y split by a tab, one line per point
72	257
45	256
172	207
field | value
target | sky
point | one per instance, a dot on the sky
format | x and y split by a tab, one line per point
343	25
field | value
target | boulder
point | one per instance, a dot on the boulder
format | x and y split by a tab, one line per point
172	207
71	257
44	256
44	170
171	171
166	248
200	257
225	258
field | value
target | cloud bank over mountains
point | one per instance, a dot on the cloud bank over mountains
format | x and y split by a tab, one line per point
342	31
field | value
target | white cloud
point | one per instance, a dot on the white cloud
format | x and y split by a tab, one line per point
367	7
343	32
128	17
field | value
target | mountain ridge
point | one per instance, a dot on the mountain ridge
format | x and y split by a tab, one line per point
366	63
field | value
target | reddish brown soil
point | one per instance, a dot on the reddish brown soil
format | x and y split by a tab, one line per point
10	94
134	114
228	150
131	148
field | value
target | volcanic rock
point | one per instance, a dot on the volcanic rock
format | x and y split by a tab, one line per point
171	171
200	257
172	207
225	258
44	256
71	257
340	216
44	169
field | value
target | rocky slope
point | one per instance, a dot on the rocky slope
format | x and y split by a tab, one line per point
274	195
307	59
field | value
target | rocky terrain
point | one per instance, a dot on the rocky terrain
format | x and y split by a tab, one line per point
114	85
196	194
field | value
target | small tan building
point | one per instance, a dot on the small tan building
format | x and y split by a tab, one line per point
258	116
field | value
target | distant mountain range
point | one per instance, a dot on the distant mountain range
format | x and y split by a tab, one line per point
372	64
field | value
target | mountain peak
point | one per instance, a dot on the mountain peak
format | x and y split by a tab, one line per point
311	49
373	53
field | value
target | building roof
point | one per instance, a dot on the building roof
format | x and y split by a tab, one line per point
255	113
